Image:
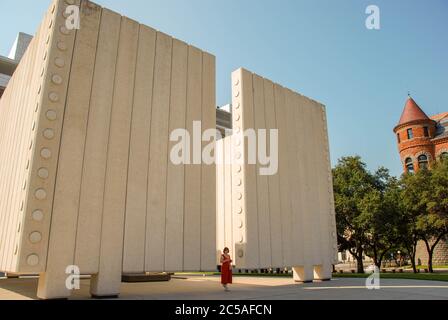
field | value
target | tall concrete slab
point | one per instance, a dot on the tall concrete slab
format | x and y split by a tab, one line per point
87	151
283	219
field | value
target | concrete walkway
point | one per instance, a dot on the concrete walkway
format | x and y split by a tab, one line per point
249	288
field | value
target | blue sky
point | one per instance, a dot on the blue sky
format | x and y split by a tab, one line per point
320	48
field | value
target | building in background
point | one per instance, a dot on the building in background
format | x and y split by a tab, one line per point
423	139
9	64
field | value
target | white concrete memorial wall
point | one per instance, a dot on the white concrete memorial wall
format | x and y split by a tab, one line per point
87	181
86	176
286	219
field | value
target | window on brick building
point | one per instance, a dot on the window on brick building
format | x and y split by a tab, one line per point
426	131
398	138
410	134
444	156
423	162
409	165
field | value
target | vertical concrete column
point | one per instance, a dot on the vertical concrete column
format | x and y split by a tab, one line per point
303	274
176	172
88	238
71	155
323	272
108	280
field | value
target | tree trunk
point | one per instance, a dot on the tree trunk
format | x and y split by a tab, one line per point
430	251
430	255
360	261
414	265
412	250
381	258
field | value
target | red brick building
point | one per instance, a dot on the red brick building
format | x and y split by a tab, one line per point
423	139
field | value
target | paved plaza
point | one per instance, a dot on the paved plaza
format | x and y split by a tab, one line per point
248	288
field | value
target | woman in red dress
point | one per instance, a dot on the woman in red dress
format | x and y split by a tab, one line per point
226	269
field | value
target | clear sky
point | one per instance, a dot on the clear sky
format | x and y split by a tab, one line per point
320	48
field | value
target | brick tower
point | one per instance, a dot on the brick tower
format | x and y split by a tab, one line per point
421	141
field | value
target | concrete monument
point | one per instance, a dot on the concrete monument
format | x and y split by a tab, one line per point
86	182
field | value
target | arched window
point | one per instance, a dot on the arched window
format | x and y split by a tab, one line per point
423	161
444	156
409	165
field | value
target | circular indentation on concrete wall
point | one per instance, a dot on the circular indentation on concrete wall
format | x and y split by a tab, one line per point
19	227
70	1
240	224
38	215
238	117
31	144
239	211
16	250
238	155
43	173
21	206
62	45
53	8
56	79
241	239
239	196
27	165
39	90
238	142
48	134
37	107
51	115
53	96
40	194
48	39
45	153
59	62
237	94
35	237
239	182
42	72
240	253
45	55
24	185
239	169
32	260
237	130
64	30
50	24
237	82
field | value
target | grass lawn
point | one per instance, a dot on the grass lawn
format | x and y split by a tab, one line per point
412	276
418	276
426	267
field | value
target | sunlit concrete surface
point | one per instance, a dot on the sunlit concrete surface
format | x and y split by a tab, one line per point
249	288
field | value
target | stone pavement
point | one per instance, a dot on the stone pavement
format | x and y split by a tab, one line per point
249	288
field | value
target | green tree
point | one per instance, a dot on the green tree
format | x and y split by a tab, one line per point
408	235
366	206
425	204
436	221
381	213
